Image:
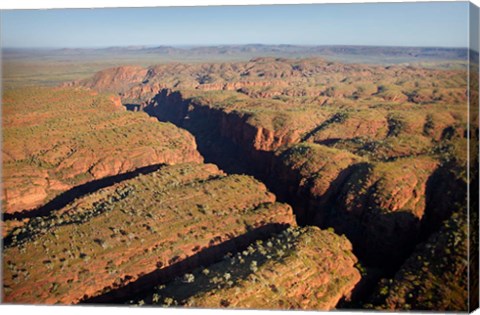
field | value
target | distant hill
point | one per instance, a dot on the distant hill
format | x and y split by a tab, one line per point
369	54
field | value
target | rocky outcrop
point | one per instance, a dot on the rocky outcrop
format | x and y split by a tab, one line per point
370	124
117	79
128	237
375	152
378	206
377	197
242	130
314	275
300	268
56	147
276	77
388	202
235	86
434	277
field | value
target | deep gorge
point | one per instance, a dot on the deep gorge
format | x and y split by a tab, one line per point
227	140
270	182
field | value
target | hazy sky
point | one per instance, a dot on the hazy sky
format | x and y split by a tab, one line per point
403	24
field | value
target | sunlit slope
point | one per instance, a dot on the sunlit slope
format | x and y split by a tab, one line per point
299	268
138	232
55	139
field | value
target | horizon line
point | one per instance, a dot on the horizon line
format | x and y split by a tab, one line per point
187	46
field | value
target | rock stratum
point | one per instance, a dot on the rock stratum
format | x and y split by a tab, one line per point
121	239
153	214
372	159
376	152
435	276
366	149
281	272
57	139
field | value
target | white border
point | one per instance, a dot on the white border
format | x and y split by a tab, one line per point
46	4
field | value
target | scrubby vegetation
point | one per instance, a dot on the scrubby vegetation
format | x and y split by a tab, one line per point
55	139
114	236
378	153
374	153
435	277
280	272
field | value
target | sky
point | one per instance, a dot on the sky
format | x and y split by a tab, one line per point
439	24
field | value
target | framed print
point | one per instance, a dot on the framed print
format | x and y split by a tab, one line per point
259	157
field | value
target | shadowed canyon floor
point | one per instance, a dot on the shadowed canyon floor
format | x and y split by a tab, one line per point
371	158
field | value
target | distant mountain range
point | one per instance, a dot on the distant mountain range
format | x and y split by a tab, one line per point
241	52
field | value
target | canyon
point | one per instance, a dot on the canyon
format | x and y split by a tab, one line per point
357	174
377	171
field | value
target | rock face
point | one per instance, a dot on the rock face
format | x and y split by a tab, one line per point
348	145
300	268
378	205
276	77
56	139
115	79
435	276
125	238
376	153
314	275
